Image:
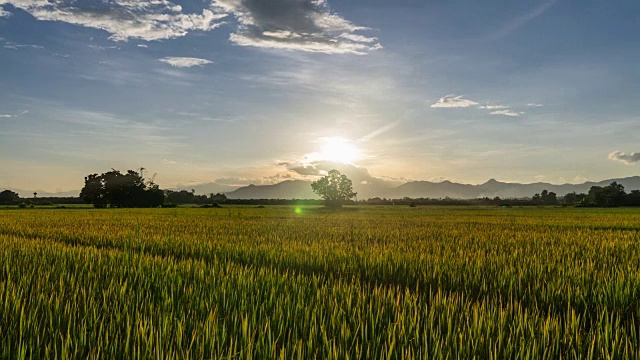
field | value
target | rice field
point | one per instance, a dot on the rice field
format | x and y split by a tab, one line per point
287	283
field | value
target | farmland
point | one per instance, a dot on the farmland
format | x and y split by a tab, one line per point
285	283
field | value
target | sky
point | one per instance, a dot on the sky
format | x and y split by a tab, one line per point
237	92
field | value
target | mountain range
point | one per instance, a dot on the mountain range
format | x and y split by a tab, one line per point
300	189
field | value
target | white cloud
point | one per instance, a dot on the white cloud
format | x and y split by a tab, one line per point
123	19
142	45
5	116
535	105
453	101
493	107
302	25
628	159
507	113
185	62
4	13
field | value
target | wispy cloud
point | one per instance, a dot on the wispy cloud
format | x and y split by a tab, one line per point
507	113
123	19
522	20
4	13
493	107
379	131
535	105
7	116
628	159
16	46
453	101
304	25
185	62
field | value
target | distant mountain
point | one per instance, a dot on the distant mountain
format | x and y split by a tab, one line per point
290	189
298	189
493	188
41	193
206	188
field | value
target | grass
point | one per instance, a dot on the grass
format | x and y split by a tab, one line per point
375	282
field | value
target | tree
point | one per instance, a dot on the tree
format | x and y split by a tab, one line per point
612	195
545	198
8	197
334	188
116	189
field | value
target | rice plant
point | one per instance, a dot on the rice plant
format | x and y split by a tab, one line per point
239	283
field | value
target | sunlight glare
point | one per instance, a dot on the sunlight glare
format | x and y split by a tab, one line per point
338	150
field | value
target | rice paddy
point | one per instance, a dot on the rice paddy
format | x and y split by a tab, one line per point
303	283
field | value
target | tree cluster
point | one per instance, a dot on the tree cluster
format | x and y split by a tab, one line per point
612	195
121	190
8	197
189	197
545	198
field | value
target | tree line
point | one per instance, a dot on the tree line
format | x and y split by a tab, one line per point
131	190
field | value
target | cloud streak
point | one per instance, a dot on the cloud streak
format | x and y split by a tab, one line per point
453	101
507	113
185	62
628	159
522	20
493	107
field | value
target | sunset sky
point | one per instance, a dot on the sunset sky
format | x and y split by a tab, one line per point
259	91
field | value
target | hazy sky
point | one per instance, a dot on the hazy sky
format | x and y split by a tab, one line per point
256	91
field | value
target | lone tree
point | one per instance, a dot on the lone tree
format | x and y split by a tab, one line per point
115	189
334	188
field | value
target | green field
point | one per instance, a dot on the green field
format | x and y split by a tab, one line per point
276	283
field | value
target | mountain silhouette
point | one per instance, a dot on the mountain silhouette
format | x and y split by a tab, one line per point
300	189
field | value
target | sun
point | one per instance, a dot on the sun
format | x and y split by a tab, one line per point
337	150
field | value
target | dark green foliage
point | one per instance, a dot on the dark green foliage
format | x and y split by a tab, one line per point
545	198
633	198
189	197
608	196
334	188
118	190
572	199
612	195
8	197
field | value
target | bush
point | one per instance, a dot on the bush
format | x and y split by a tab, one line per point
169	205
22	205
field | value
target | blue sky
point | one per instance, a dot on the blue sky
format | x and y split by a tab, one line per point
259	91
